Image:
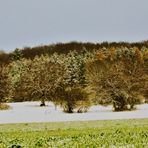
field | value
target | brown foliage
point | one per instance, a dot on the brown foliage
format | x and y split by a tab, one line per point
118	81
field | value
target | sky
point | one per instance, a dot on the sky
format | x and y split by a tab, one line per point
28	23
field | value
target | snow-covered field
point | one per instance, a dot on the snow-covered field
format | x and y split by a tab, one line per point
31	112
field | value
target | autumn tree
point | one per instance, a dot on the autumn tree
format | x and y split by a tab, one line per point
135	75
145	58
72	94
44	77
4	85
117	77
18	80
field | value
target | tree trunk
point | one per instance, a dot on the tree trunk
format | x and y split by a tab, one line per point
42	102
68	108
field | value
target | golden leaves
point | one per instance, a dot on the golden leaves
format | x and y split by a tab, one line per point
112	51
100	56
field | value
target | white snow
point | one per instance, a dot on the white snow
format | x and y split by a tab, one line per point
26	112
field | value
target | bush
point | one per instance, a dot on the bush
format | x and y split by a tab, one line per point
71	99
4	106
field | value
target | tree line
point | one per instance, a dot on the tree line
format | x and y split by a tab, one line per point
113	75
64	48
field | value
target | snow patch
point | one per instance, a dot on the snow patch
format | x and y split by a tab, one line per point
25	112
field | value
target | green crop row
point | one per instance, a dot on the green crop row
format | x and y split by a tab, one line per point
110	137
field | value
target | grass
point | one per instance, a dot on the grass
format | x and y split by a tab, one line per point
112	133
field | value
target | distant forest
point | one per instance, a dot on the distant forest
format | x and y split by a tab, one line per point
64	48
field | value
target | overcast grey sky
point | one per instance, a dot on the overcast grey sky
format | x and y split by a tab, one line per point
35	22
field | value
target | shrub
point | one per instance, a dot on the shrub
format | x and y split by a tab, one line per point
71	99
4	106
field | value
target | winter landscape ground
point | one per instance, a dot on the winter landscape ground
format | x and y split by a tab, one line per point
27	125
24	112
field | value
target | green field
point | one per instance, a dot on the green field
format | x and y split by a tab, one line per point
113	133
